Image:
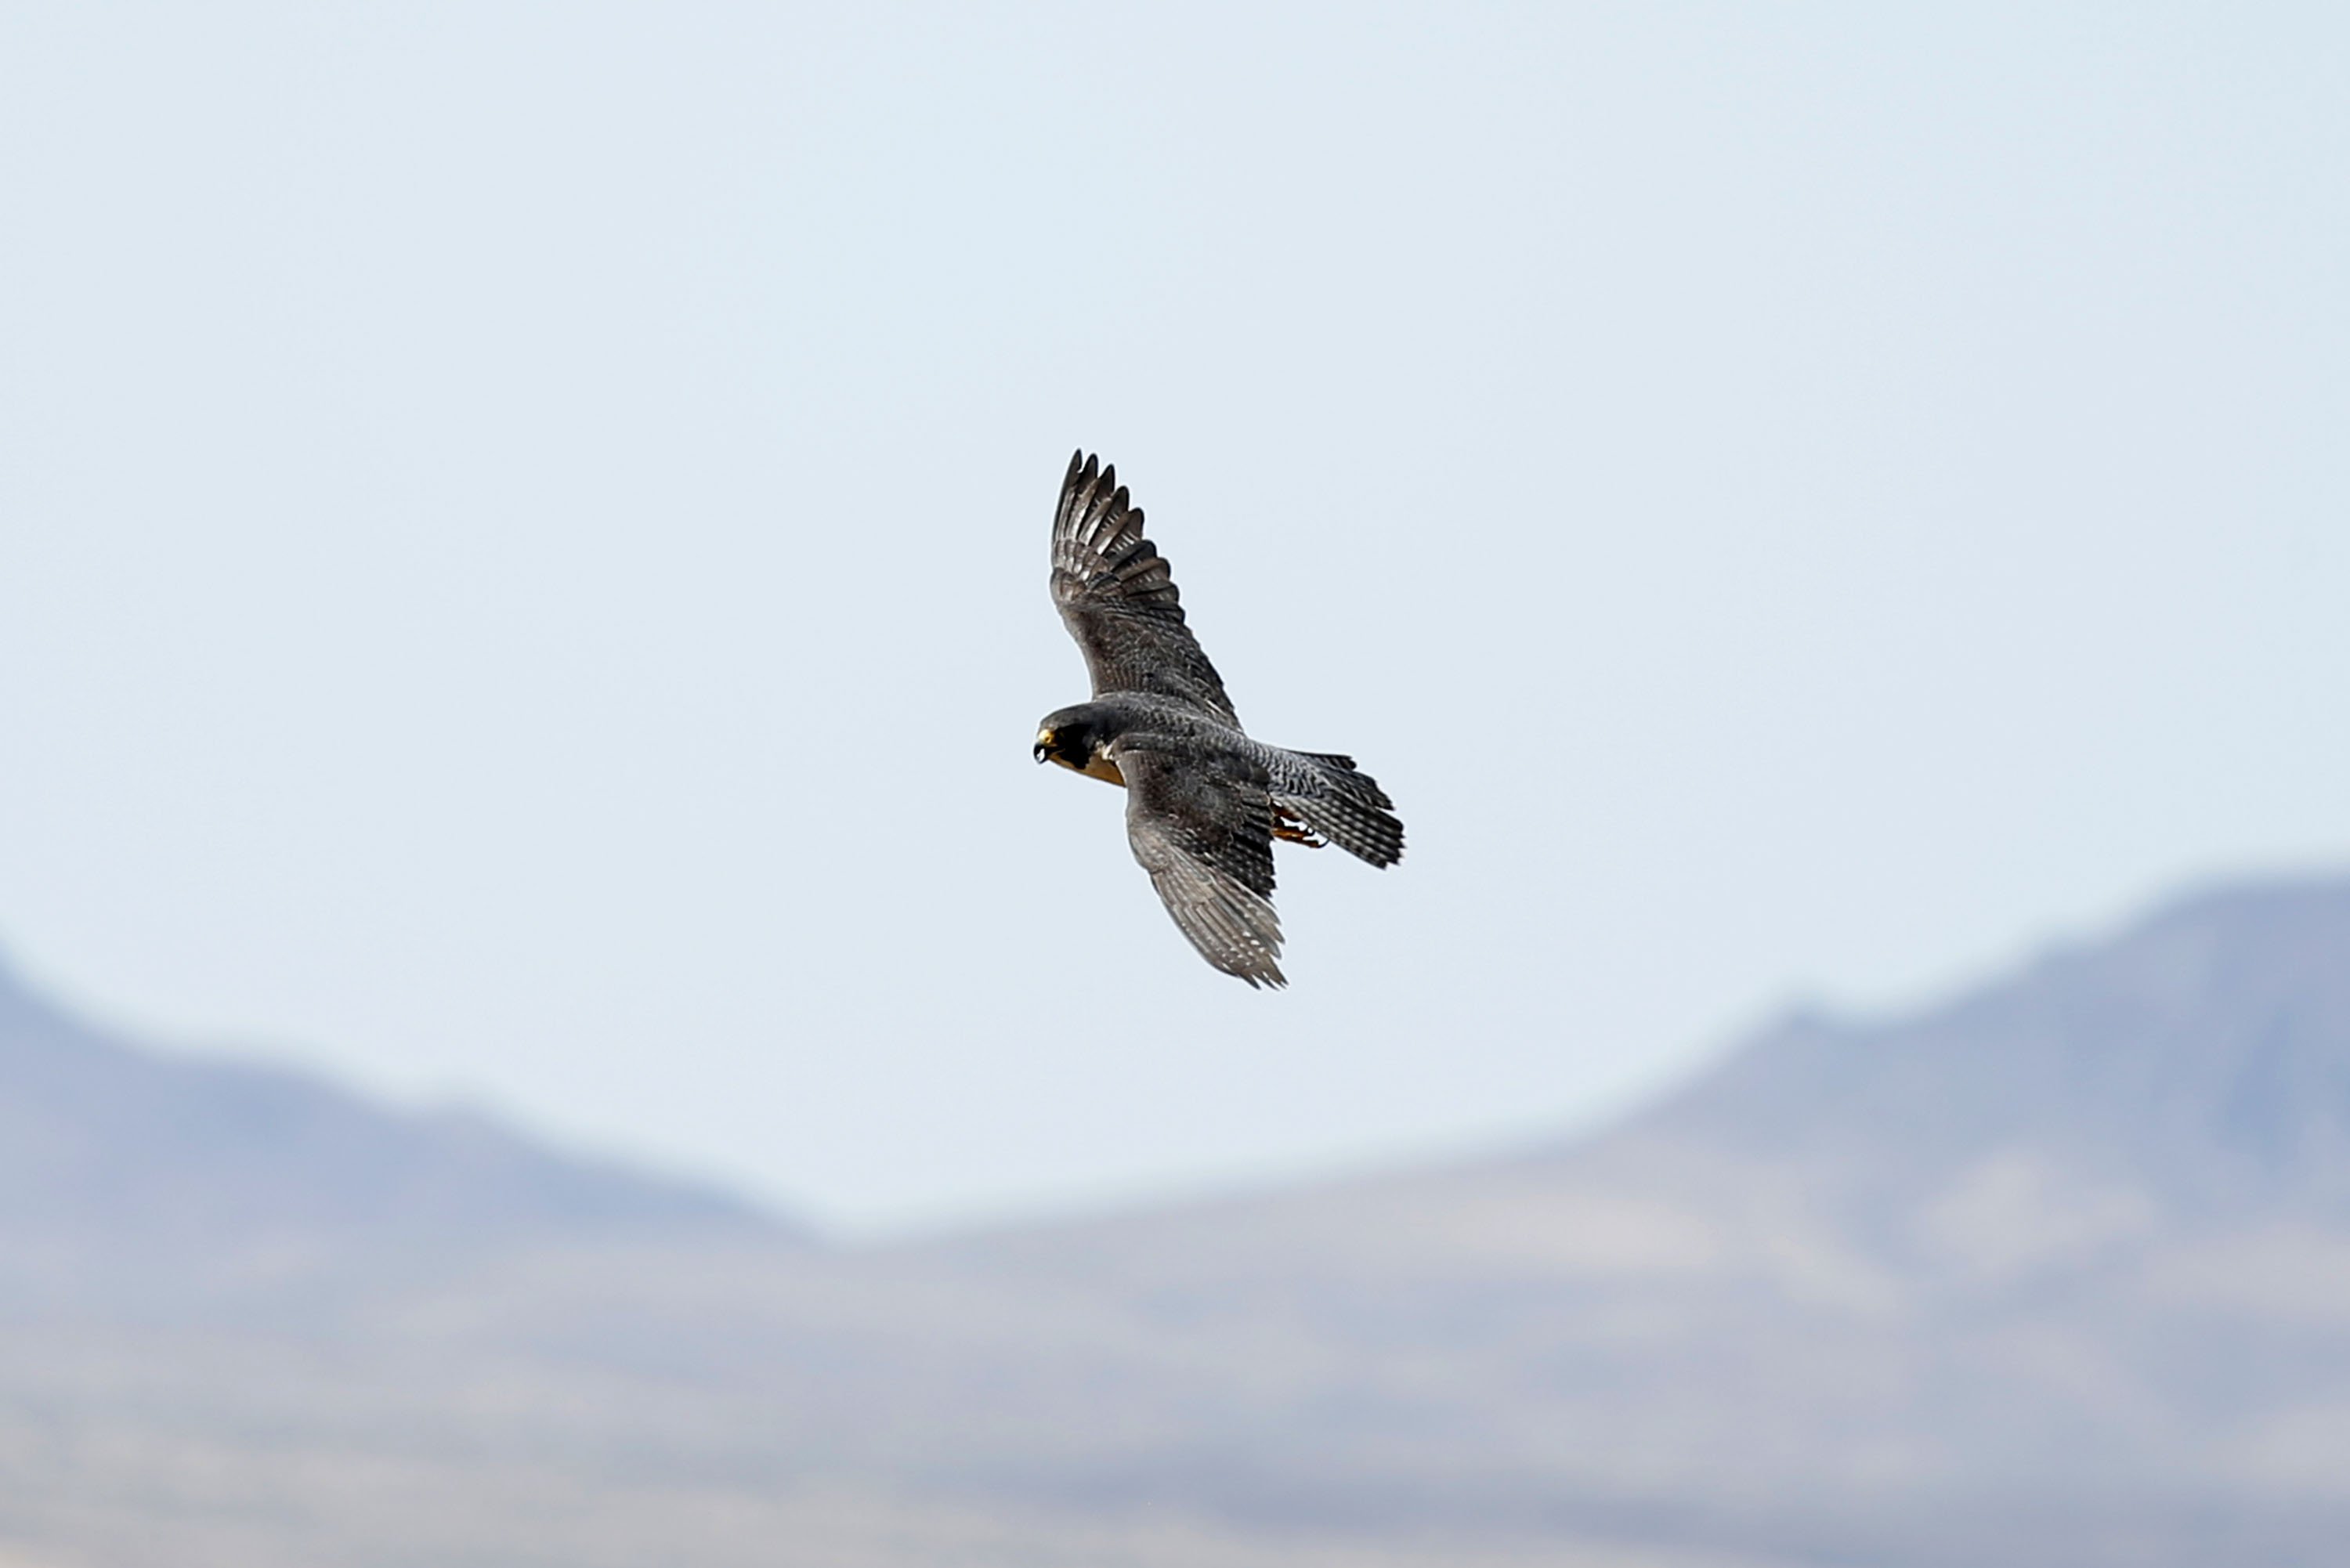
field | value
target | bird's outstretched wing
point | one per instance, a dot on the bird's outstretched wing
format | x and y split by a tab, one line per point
1203	828
1119	598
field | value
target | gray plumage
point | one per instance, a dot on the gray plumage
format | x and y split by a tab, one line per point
1204	800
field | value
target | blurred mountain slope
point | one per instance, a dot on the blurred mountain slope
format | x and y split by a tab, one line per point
163	1173
2056	1272
2205	1054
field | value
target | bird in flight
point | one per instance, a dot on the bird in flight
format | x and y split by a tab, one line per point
1203	801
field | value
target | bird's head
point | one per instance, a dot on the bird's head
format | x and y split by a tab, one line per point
1065	739
1075	739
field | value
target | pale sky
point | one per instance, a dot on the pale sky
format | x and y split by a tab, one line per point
523	544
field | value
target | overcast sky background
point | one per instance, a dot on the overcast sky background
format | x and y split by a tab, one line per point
523	544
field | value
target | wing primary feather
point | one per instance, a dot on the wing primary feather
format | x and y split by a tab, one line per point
1117	596
1203	829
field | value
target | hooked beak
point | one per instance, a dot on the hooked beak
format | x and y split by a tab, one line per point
1044	744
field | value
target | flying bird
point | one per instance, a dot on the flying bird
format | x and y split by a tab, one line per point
1203	801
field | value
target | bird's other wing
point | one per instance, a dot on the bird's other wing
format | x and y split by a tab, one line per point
1203	827
1119	598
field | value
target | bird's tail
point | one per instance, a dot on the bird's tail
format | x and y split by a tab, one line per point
1331	801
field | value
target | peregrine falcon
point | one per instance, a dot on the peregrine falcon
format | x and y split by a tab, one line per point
1204	802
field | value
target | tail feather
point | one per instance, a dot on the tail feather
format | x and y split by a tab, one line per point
1344	806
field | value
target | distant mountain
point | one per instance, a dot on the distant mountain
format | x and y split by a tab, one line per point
2055	1272
118	1163
2204	1055
2055	1275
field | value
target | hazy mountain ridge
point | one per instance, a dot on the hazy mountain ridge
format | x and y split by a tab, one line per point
118	1162
2206	1051
2068	1249
2055	1272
